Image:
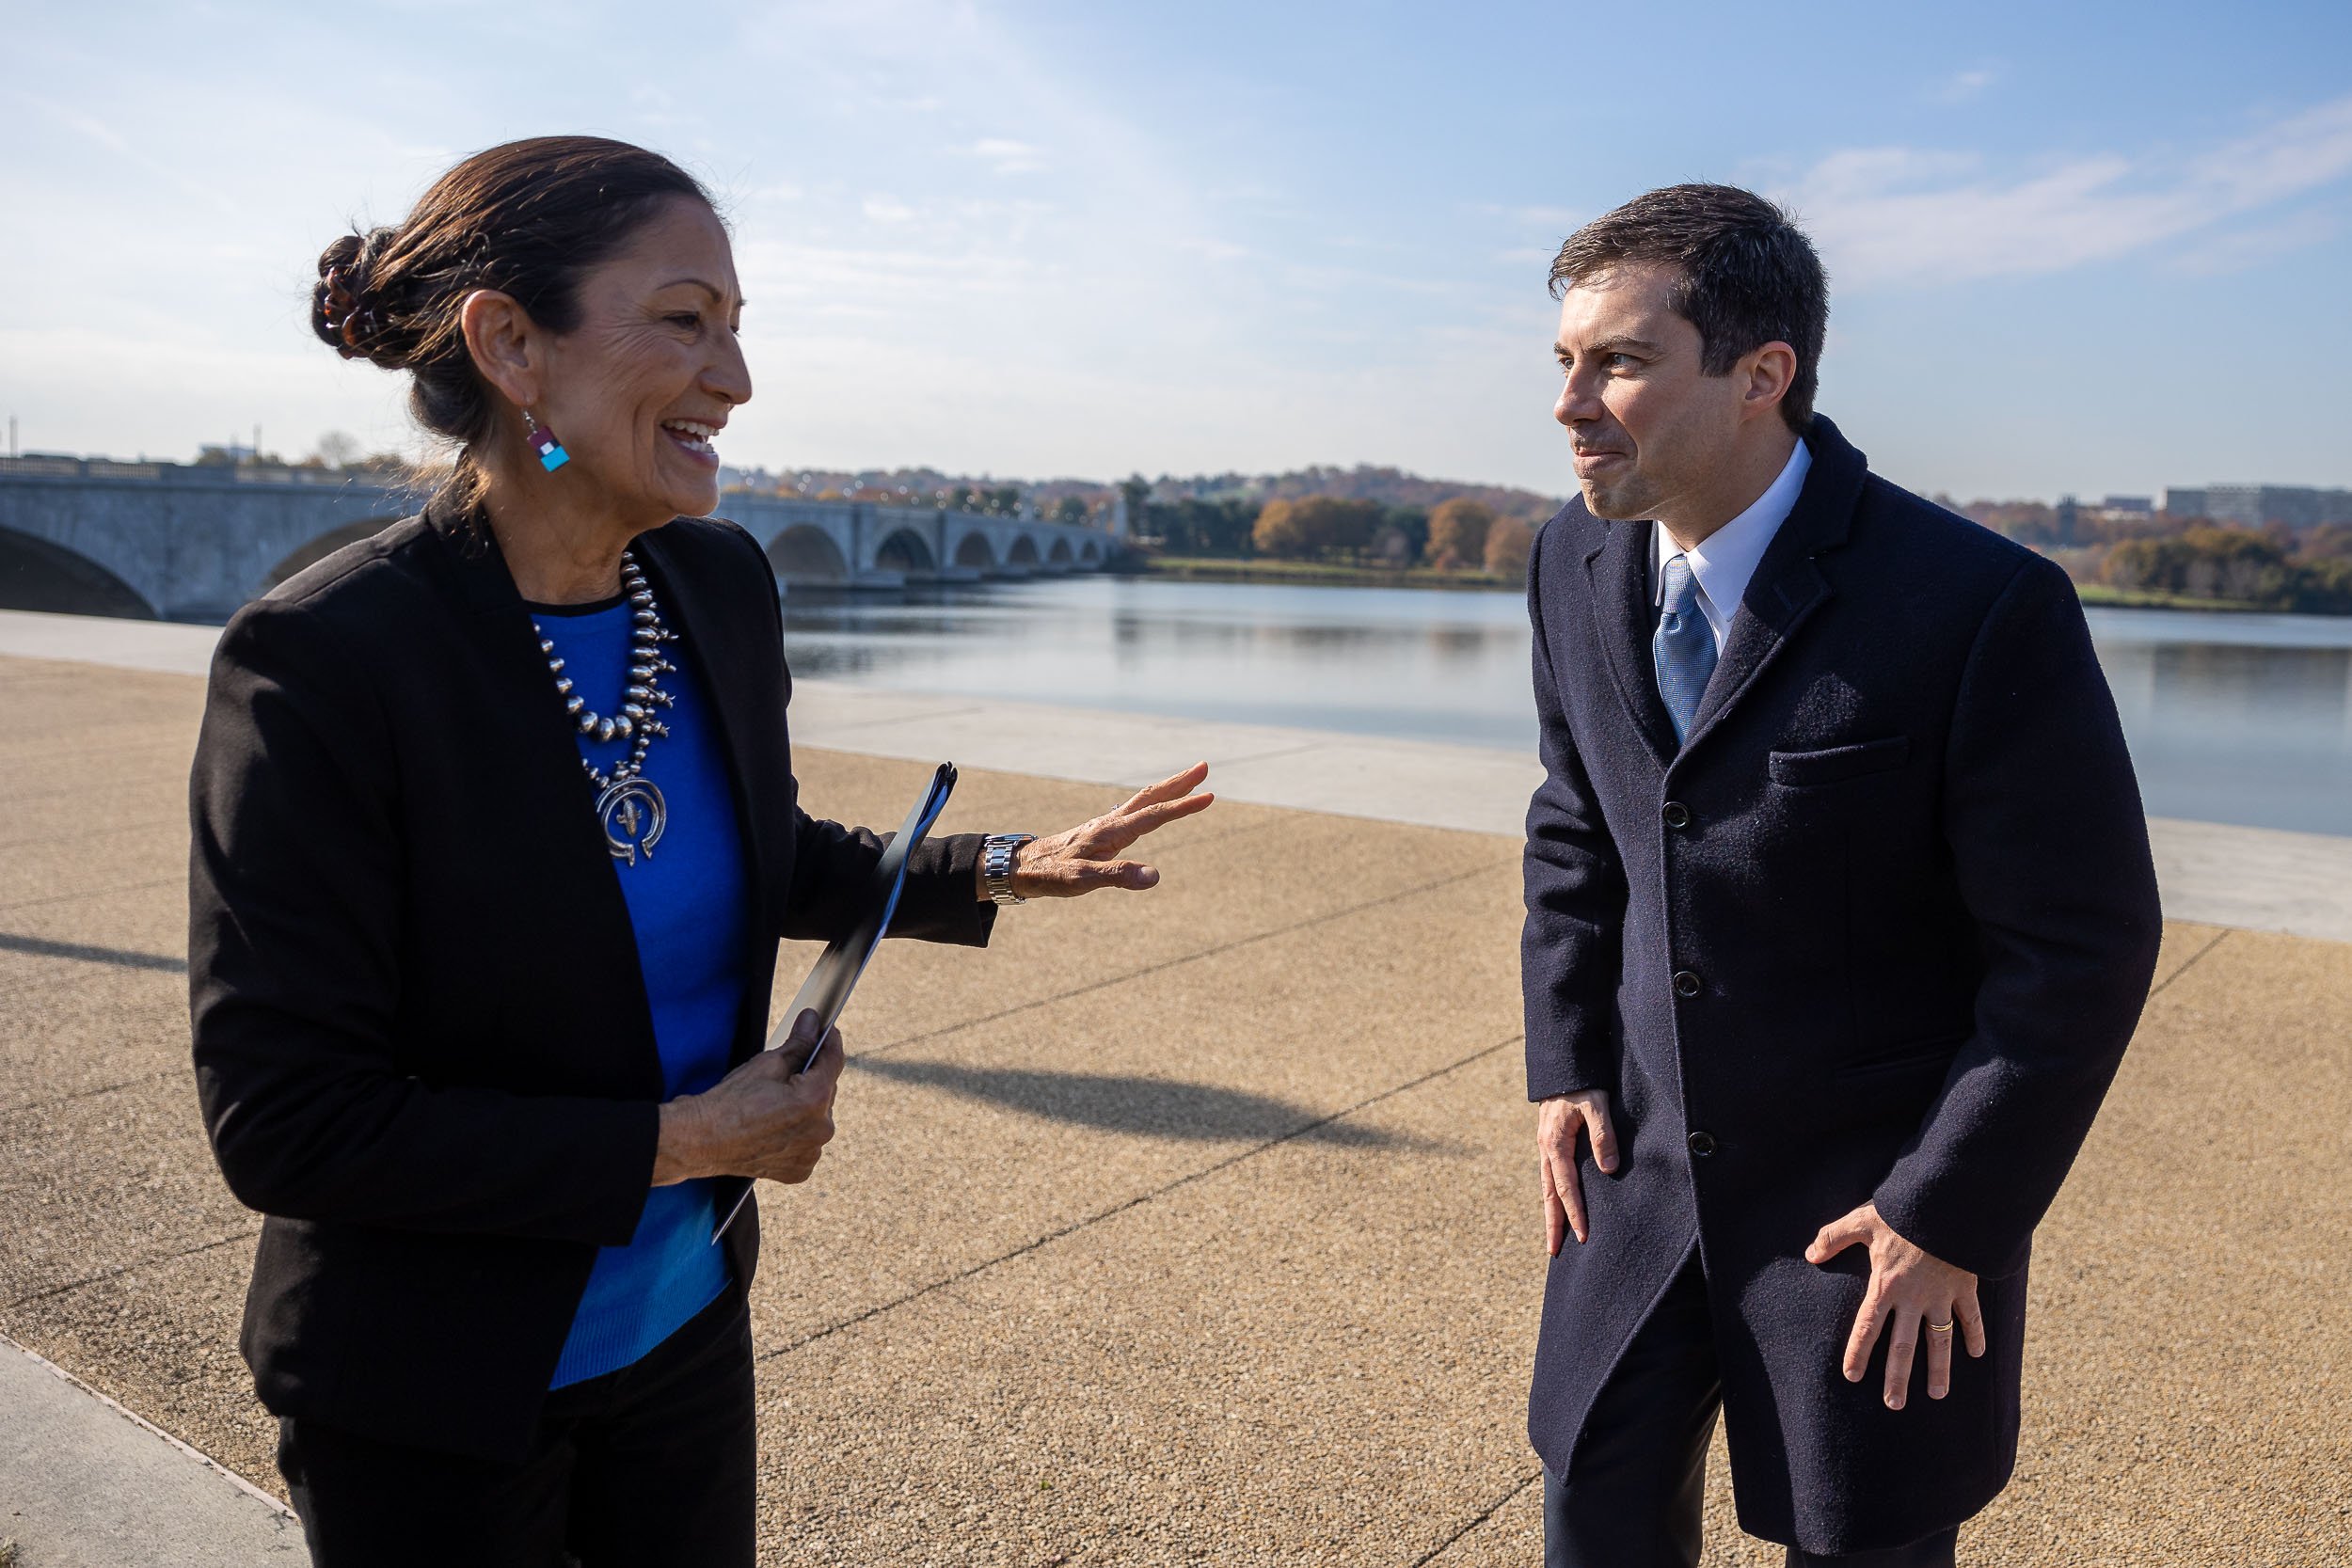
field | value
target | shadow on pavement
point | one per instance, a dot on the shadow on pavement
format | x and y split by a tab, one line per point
1152	1107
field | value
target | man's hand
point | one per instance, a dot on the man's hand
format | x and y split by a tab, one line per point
1910	1289
1560	1121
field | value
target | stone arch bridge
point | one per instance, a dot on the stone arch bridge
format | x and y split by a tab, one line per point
167	540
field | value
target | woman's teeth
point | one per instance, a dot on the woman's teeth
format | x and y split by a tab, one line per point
692	436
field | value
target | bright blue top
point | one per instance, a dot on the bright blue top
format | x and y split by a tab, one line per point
688	906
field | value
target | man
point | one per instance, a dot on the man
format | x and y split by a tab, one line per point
1840	914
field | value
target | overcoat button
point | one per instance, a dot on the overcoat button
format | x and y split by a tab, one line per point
1686	983
1701	1144
1678	815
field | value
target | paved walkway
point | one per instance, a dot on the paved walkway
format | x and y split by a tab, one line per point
1191	1227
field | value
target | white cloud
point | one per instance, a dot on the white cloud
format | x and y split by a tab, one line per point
1005	156
1899	214
886	209
1961	85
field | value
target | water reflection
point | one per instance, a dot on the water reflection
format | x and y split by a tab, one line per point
2231	718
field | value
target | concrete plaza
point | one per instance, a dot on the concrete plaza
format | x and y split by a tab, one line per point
1191	1227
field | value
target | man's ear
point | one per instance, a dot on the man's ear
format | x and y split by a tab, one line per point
1768	372
499	336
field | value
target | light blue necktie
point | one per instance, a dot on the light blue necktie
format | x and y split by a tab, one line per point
1683	647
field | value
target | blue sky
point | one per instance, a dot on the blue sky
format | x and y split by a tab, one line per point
2072	248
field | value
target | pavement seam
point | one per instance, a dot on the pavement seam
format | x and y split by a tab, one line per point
1222	948
2218	938
13	1112
136	1263
93	892
1135	1202
144	824
1487	1512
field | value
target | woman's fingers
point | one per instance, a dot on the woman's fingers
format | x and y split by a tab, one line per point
1135	824
1168	788
825	1070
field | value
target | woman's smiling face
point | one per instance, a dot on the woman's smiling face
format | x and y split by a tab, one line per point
637	391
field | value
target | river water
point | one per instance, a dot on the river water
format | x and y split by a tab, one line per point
2244	718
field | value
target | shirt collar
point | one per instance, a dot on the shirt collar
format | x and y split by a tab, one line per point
1727	558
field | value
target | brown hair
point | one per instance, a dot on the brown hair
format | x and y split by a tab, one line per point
528	218
1748	275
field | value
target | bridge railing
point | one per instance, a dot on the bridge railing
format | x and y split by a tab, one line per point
48	466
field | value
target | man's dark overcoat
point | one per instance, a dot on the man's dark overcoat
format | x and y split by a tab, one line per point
1878	929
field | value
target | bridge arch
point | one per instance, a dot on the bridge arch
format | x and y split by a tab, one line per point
325	544
974	550
806	553
1024	553
904	551
39	573
1091	552
1059	553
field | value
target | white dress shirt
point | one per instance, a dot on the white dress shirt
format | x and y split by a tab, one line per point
1727	558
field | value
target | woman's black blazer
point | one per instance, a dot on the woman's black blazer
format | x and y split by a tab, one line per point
422	1038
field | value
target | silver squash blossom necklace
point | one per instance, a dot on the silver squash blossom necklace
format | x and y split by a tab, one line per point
628	805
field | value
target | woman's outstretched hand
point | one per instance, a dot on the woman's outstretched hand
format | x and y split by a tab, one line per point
1088	856
766	1117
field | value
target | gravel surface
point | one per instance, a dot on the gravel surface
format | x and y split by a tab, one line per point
1198	1226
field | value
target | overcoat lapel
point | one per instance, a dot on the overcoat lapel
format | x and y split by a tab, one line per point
1788	585
1621	606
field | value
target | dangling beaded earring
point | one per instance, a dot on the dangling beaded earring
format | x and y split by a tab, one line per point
551	453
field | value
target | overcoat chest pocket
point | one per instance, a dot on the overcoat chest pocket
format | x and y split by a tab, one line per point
1839	763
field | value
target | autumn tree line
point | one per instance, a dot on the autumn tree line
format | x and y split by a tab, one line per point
1460	534
2272	567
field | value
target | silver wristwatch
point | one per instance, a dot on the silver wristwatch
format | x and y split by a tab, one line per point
996	866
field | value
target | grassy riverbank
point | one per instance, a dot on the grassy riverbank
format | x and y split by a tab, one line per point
1314	573
1325	575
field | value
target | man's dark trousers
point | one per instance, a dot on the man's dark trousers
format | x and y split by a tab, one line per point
1641	1476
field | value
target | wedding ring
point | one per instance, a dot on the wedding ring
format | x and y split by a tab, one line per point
1943	1328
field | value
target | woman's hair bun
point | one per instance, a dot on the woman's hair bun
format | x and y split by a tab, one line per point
345	311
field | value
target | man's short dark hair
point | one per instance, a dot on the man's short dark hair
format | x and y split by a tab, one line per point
1749	276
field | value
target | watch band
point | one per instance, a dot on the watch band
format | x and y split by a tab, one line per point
996	866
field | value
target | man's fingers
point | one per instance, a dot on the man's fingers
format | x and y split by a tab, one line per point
1835	1238
1971	1320
1604	1136
1571	1191
1555	1218
1939	1361
1901	1342
1864	1337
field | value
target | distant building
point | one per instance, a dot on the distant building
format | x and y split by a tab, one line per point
2069	519
2128	503
2294	506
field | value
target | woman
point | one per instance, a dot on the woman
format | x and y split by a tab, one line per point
495	836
